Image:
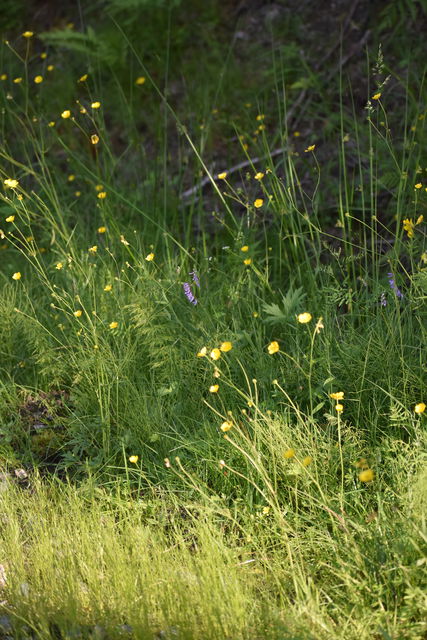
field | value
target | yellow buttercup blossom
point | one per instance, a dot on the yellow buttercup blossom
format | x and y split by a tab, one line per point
16	276
226	426
306	461
289	453
83	110
214	388
273	347
38	79
258	203
43	55
28	34
203	351
376	96
102	229
50	67
93	249
245	248
66	114
310	148
71	177
247	262
99	187
420	407
222	176
150	257
11	183
418	185
303	318
338	395
225	346
95	105
108	287
78	313
140	80
133	459
94	138
367	475
260	117
102	195
113	325
215	354
339	408
51	123
259	175
17	80
10	218
3	76
83	78
59	265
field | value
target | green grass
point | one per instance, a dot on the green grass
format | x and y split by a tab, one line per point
262	509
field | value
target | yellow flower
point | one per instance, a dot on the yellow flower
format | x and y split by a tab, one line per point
289	453
259	175
43	55
214	388
133	459
306	461
78	313
273	347
338	395
247	262
255	314
51	123
71	177
418	185
408	226
95	105
362	464
222	176
140	80
225	346
50	67
108	287
310	148
66	114
3	76
376	96
17	80
38	79
12	184
258	203
83	78
99	187
150	257
339	408
260	117
83	110
93	249
102	195
10	218
16	276
216	373
59	265
420	407
203	351
226	426
366	476
244	248
265	510
77	194
215	354
94	138
102	229
28	34
113	325
304	317
297	134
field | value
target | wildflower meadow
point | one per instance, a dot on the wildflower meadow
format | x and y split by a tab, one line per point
213	272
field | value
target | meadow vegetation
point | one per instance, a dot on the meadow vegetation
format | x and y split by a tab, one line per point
213	272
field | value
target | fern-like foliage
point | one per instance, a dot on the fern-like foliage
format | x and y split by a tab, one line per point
276	314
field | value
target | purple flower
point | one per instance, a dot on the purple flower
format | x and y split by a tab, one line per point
195	278
393	285
189	293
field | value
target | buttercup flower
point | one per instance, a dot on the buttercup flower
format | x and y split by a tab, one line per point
258	203
102	229
38	79
247	261
420	407
150	257
259	175
214	388
94	138
66	114
28	34
93	249
225	346
108	287
310	148
59	265
133	459
10	218
102	195
418	185
289	453
339	408
16	276
376	96
226	426
17	80
50	67
83	78
304	317
95	105
12	184
3	76
273	347
366	476
244	248
140	80
338	395
113	325
306	461
222	176
203	351
215	354
78	313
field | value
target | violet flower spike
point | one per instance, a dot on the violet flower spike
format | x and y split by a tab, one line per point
195	278
189	293
393	286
